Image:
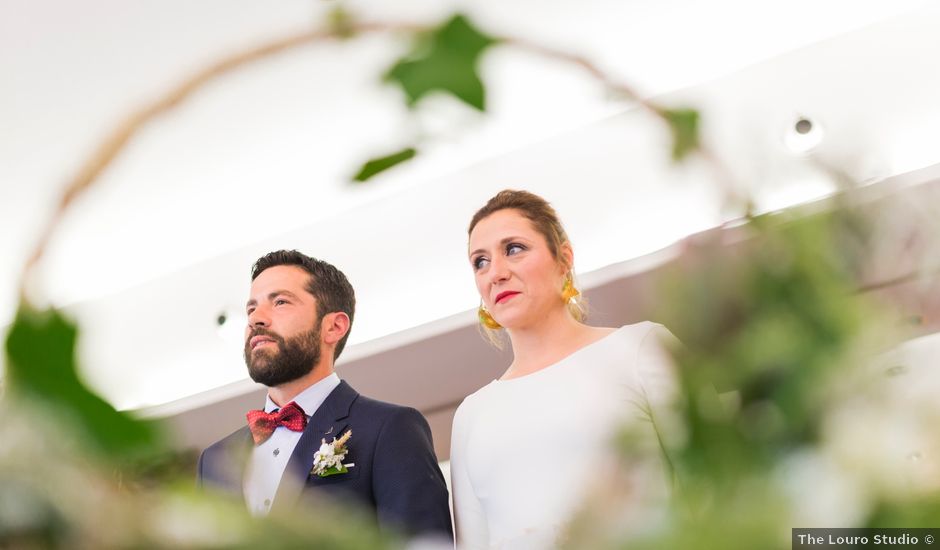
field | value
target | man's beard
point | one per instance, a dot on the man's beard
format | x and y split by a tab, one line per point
294	357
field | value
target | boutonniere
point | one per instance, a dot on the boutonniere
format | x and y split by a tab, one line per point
329	459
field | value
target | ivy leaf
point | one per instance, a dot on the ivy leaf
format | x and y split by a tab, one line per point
41	367
381	164
683	123
445	60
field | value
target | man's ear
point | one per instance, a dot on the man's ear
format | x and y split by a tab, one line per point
334	327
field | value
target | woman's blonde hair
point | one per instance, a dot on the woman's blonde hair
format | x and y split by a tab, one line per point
545	220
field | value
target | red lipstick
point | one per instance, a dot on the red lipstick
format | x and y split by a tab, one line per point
506	294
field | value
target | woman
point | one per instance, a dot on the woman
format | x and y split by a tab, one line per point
527	449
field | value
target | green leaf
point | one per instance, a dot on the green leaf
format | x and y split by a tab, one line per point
334	470
683	123
341	22
41	367
381	164
445	60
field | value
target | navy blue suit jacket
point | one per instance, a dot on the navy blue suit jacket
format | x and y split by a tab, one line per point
396	476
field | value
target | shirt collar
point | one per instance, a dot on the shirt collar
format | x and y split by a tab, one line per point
311	398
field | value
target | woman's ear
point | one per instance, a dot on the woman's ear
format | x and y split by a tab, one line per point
566	256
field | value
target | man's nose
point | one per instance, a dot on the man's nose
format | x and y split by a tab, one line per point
259	318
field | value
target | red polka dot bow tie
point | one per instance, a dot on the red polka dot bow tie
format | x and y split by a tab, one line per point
263	424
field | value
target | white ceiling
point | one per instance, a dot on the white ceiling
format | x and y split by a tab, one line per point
259	160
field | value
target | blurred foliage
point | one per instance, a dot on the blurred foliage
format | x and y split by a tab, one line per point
62	502
684	126
341	22
41	366
444	60
381	164
774	324
767	433
155	470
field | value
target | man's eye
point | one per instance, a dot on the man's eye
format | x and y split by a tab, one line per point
280	301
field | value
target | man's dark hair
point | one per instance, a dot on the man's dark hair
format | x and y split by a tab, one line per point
327	284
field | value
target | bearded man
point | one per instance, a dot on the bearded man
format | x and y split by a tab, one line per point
317	439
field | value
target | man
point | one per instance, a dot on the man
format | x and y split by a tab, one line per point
299	315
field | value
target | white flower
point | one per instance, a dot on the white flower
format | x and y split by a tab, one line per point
329	459
326	449
839	499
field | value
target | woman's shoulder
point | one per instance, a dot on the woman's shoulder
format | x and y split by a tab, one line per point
634	335
475	399
639	343
642	327
470	410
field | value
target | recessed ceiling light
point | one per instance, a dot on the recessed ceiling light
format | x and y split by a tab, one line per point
803	135
230	325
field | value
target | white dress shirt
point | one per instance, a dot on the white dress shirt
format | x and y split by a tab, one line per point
269	459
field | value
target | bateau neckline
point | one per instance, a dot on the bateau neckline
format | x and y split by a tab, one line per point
562	361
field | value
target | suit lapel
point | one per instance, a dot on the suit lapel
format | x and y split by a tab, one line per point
329	421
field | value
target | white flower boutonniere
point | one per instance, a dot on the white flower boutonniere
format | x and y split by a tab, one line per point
329	459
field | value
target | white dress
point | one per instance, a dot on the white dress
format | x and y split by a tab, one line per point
525	452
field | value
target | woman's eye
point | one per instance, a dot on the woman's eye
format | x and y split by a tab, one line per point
514	248
479	263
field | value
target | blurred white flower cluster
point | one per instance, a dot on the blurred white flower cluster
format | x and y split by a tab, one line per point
879	442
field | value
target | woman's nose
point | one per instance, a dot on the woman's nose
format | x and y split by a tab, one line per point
499	270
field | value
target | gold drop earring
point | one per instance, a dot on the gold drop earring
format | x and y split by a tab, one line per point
569	291
486	319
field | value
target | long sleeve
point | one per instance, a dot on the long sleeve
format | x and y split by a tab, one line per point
469	518
659	380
